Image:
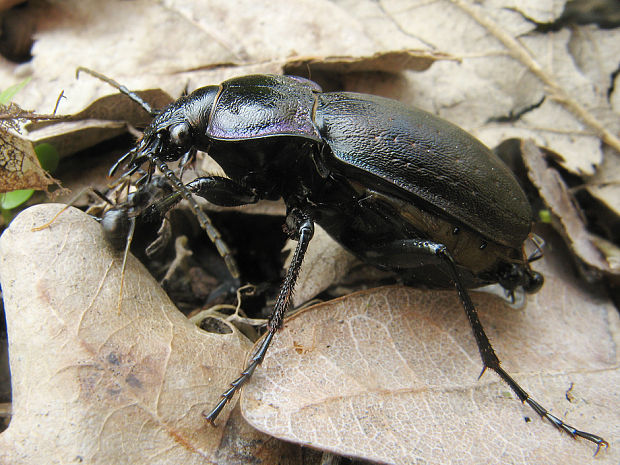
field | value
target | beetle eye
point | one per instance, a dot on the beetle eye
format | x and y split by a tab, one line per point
179	134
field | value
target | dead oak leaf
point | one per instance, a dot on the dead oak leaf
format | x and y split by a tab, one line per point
19	166
391	375
96	385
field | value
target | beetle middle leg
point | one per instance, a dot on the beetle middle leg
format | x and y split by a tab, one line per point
402	250
302	227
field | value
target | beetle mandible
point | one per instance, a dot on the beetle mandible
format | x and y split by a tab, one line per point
402	189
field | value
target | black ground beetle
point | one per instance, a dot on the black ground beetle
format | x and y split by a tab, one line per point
402	189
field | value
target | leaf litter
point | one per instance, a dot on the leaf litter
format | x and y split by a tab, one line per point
477	85
390	374
109	387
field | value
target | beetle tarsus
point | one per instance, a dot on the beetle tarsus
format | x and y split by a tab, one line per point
544	413
490	359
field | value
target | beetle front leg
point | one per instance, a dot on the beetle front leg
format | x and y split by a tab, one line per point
304	232
222	191
402	250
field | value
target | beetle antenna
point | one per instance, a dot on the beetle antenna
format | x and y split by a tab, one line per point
121	88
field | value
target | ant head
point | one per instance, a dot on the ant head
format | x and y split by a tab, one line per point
534	282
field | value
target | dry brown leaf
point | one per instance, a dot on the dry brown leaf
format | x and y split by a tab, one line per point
497	96
567	219
69	138
97	386
609	194
19	166
105	118
391	375
387	62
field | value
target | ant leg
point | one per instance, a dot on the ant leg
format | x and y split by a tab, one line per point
70	203
203	219
305	230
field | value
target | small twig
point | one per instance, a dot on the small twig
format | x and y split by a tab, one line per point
25	115
235	317
181	253
62	95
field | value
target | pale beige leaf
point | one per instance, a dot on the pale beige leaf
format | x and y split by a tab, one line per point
99	386
391	375
491	84
169	45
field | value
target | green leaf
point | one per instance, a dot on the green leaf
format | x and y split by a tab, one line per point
544	216
48	156
14	199
7	94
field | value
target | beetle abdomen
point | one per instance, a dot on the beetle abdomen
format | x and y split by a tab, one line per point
426	158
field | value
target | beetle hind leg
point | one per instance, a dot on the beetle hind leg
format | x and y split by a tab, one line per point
413	248
544	413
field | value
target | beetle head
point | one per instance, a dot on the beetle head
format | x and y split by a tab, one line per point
178	127
168	137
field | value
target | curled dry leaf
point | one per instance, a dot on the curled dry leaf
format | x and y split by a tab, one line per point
95	385
19	166
386	61
566	217
391	375
605	187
